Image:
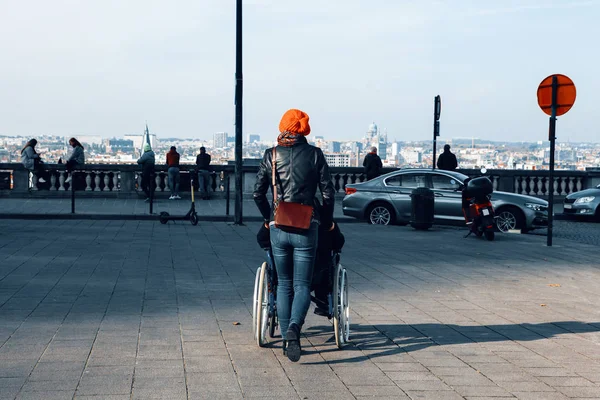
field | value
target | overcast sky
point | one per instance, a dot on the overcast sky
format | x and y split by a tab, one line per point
105	67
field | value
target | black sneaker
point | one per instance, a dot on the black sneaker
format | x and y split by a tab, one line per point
293	348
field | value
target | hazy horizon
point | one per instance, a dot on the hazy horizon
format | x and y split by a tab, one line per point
106	67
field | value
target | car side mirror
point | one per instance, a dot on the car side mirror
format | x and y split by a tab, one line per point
460	188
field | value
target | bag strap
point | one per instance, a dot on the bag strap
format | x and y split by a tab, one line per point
273	169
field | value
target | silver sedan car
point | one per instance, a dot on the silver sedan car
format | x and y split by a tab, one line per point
585	203
386	200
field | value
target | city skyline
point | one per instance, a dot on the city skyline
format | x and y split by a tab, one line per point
172	64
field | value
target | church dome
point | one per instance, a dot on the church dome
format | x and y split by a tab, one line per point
373	127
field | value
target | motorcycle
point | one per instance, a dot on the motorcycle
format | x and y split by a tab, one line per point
477	206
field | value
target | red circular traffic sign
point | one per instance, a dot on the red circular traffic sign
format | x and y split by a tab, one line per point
565	95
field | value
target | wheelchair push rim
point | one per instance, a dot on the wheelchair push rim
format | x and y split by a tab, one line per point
341	313
262	308
255	300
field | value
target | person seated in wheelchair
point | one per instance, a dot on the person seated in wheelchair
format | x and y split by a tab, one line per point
330	242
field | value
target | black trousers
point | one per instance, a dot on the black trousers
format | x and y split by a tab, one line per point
148	183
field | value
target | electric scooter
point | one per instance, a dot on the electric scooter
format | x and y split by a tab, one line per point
477	207
191	214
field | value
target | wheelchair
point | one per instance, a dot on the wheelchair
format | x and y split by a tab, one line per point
264	305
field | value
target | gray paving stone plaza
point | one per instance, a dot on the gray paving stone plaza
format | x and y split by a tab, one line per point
138	310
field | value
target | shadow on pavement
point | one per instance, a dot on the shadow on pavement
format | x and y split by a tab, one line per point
388	340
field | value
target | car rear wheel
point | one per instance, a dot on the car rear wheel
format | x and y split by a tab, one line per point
380	214
508	219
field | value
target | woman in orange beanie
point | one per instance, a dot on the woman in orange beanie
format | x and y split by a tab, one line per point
298	170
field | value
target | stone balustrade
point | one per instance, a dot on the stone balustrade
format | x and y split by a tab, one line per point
124	180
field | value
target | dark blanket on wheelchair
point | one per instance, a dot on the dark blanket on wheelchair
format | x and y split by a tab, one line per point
329	241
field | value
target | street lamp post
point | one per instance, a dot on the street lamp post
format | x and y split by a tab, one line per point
239	81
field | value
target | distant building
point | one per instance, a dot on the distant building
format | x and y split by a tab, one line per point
338	160
122	145
395	152
374	138
334	147
253	138
412	157
220	140
140	140
4	155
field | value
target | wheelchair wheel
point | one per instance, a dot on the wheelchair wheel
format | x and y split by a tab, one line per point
262	308
341	307
255	300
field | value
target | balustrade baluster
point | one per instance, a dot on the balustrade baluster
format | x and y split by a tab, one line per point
336	184
88	180
571	185
527	187
345	180
106	182
52	181
97	181
544	186
116	177
517	184
579	184
61	181
557	186
158	180
535	186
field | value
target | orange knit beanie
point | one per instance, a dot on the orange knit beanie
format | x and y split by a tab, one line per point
295	121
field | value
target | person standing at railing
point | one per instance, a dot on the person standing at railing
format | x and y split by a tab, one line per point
76	158
447	160
32	161
203	163
173	171
147	161
372	164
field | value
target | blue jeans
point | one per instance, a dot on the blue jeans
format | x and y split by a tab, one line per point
294	256
203	182
174	180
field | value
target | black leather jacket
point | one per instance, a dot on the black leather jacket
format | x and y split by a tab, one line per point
301	170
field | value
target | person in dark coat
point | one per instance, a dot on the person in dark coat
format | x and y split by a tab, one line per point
300	171
330	240
372	164
147	161
203	169
447	160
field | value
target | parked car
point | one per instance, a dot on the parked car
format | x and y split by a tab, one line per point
585	203
386	200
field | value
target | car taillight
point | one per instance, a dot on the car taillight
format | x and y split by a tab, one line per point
350	190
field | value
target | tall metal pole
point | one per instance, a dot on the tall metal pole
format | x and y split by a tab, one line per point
552	137
239	81
437	110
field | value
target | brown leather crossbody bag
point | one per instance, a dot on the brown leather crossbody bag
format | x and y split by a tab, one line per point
288	215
